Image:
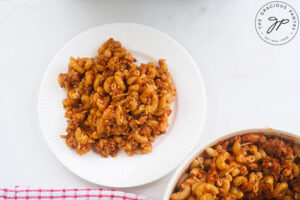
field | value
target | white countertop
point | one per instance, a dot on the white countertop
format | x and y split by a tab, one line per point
250	84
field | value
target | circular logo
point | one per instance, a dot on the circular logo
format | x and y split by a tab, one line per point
276	23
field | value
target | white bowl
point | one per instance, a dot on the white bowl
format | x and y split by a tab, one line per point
184	166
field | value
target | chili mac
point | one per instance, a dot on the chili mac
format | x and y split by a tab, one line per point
113	104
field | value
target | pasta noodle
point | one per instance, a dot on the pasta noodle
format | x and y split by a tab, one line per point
251	166
114	104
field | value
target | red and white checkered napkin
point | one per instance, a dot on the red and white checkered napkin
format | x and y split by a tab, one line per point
18	192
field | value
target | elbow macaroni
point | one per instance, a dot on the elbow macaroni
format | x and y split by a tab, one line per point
114	104
251	166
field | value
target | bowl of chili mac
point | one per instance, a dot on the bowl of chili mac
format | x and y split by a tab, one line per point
249	164
121	105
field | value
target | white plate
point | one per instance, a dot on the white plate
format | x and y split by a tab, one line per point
169	150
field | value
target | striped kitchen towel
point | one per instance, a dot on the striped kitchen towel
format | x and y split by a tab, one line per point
18	192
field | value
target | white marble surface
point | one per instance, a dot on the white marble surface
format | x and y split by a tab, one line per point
249	83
